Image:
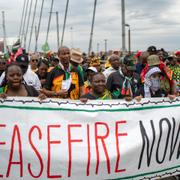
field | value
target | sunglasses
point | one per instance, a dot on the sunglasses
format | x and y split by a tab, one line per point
34	60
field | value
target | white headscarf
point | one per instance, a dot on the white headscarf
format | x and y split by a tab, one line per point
147	81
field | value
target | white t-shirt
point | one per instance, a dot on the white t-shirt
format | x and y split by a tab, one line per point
30	78
108	71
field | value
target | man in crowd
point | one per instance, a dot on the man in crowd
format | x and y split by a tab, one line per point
63	81
125	82
34	59
114	61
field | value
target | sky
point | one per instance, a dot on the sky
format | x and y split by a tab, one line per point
152	22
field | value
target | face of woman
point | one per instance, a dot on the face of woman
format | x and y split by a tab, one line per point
43	68
14	76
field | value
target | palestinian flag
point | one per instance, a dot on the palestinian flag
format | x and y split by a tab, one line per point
16	45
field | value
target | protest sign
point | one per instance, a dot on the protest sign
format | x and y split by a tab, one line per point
58	139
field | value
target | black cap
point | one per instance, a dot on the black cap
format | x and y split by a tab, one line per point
129	61
23	59
52	58
170	58
152	49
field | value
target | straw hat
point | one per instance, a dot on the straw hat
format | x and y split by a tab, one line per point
76	56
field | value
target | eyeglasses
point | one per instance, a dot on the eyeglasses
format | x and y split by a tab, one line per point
34	60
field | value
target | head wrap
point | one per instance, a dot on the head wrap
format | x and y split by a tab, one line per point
148	82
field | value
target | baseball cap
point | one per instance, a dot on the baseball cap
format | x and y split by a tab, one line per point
153	60
23	59
152	49
92	69
129	61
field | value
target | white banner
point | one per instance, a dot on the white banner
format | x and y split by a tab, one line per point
57	139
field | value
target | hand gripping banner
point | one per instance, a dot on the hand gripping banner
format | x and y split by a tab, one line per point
58	139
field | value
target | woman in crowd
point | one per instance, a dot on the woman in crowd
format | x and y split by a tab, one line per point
15	86
152	85
167	81
90	73
98	89
42	71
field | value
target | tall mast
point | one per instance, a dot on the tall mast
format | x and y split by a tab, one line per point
24	22
27	27
49	22
32	25
22	17
92	28
123	26
39	25
64	25
4	30
57	23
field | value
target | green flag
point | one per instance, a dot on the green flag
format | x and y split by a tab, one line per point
45	47
6	55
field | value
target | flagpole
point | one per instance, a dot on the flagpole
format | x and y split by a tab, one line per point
35	30
29	15
49	22
4	30
64	25
32	26
92	28
39	25
123	26
57	23
72	44
24	22
22	17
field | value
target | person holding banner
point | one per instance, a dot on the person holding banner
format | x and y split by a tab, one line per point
125	82
98	91
152	85
167	81
15	86
64	81
29	76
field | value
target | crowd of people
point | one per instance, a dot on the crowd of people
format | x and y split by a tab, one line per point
71	74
